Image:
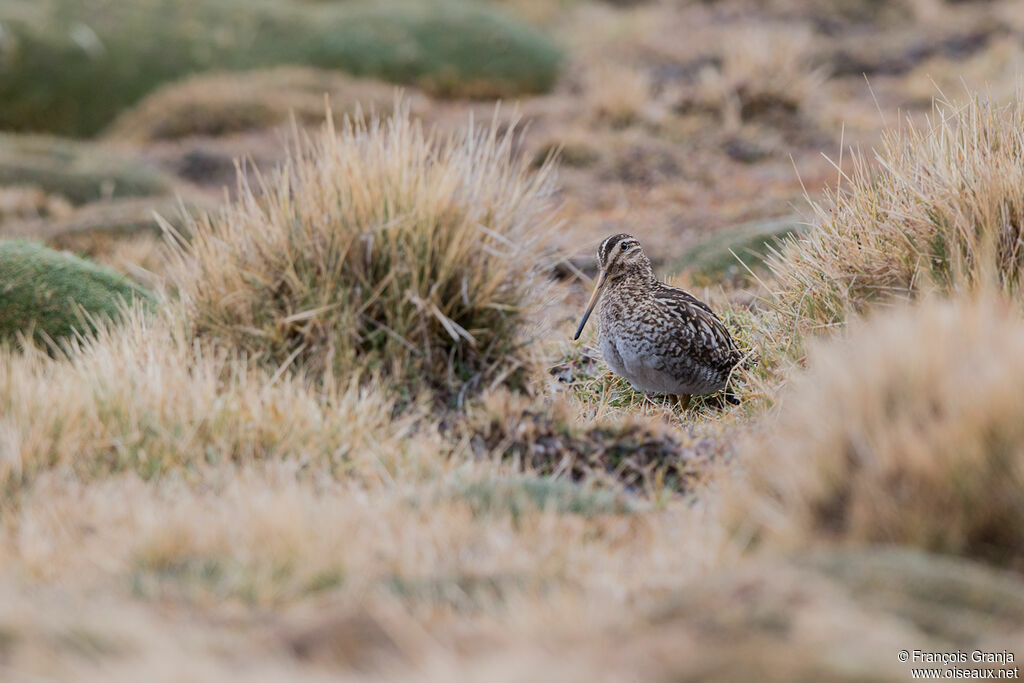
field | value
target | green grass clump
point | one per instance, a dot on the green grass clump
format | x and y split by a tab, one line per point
71	67
78	172
45	293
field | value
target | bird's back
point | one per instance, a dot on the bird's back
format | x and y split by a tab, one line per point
665	340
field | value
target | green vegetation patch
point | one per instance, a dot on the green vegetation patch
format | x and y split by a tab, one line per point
727	254
50	293
71	67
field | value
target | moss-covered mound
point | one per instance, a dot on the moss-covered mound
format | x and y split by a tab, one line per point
46	293
71	67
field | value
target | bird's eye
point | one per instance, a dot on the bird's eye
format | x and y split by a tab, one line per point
625	246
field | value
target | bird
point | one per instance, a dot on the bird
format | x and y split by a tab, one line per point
661	339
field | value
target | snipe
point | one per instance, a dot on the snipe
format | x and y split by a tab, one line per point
661	339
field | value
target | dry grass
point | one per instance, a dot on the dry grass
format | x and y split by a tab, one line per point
938	207
451	588
25	202
144	398
276	534
617	93
910	432
379	247
218	104
766	73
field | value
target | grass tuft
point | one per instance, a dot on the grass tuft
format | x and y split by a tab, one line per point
909	432
941	208
221	104
379	248
767	74
144	398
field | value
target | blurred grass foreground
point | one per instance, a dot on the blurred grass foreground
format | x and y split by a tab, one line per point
70	67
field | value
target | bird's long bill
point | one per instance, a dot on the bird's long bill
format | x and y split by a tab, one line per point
590	304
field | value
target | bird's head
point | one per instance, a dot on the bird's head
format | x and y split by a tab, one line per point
618	256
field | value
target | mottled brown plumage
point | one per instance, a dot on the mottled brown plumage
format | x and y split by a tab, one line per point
661	339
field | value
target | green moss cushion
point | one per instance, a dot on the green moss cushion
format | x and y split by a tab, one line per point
45	292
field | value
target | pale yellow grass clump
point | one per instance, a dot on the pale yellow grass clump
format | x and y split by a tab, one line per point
221	104
617	93
911	431
938	206
379	246
767	72
145	398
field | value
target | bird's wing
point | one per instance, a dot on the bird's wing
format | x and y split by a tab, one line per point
706	331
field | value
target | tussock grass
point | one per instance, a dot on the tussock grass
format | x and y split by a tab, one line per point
381	248
144	398
767	73
940	208
220	104
617	93
911	432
